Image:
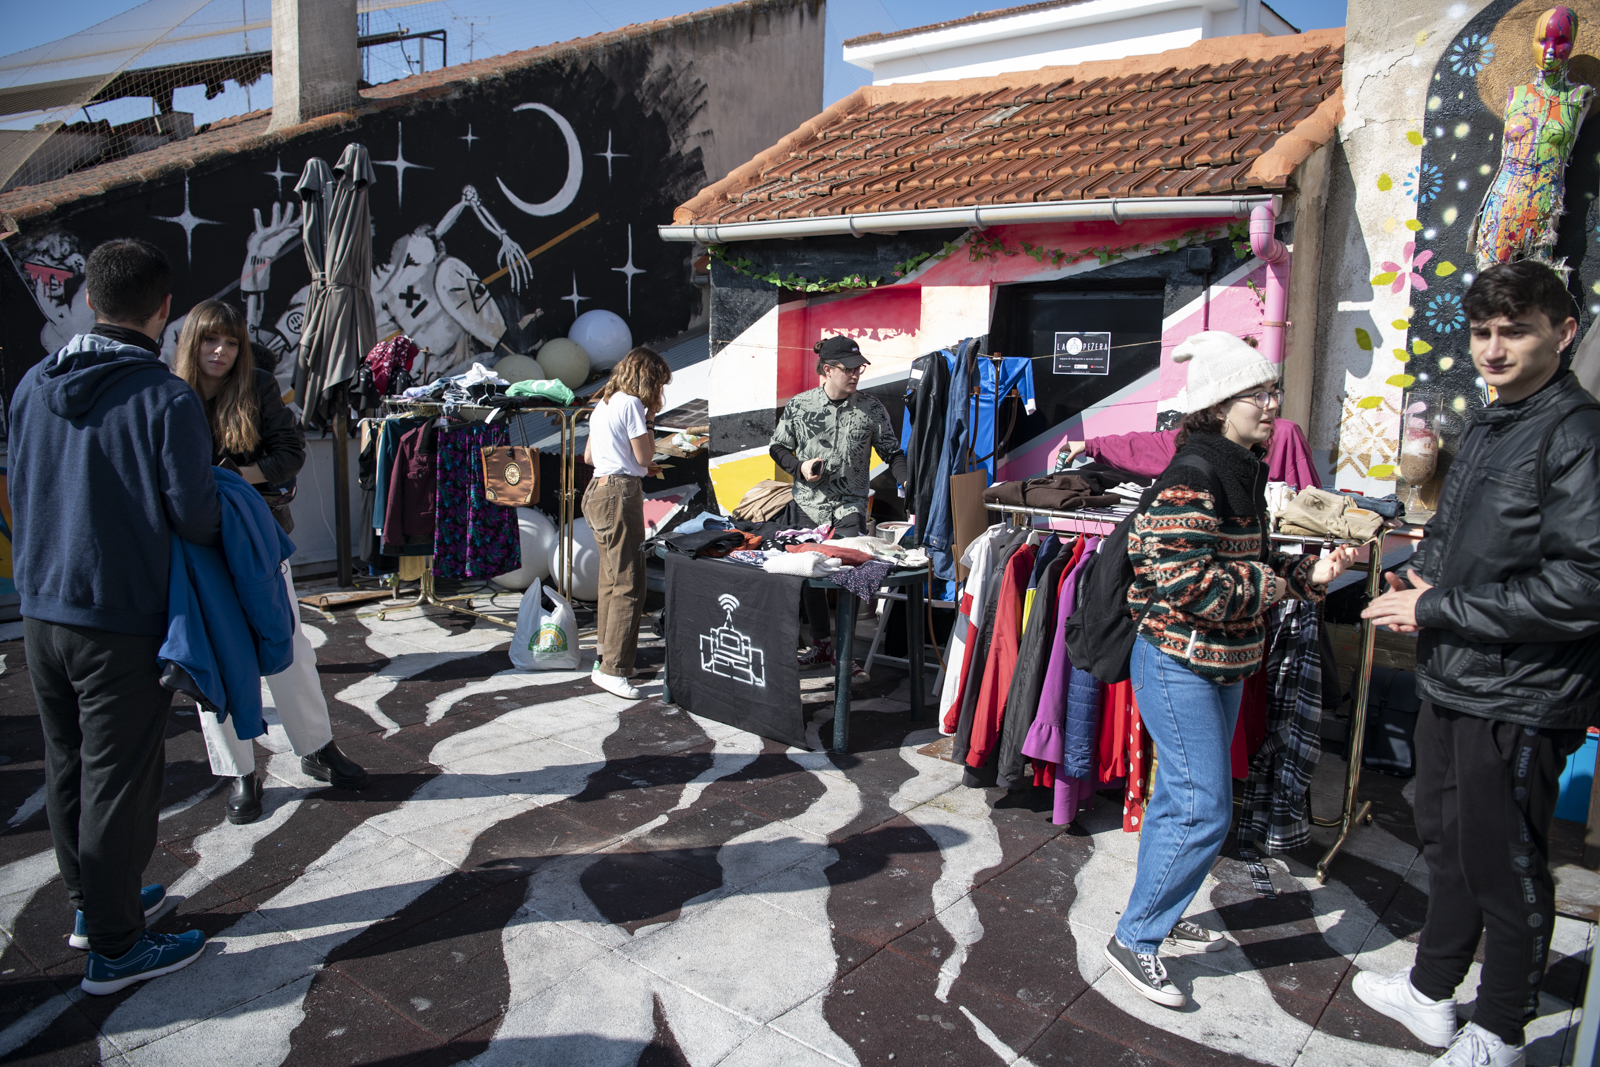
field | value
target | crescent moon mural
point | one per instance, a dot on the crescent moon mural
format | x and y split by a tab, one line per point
569	191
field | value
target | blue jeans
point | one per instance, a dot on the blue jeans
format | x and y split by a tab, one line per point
1191	721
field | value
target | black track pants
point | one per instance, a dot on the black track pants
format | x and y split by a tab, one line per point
1486	792
104	715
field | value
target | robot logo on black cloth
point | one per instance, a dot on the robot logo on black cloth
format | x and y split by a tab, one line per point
727	652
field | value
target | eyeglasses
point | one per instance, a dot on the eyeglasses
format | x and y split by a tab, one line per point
1263	399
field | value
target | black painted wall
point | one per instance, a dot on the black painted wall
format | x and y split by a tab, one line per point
464	185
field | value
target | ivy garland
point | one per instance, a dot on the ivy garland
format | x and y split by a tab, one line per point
850	282
980	246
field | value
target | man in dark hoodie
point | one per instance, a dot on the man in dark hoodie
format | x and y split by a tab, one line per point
110	455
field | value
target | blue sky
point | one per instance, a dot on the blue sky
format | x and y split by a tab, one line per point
29	23
486	27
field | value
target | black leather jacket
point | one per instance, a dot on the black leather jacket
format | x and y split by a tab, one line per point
282	451
1513	623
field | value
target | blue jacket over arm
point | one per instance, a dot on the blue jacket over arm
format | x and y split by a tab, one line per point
230	616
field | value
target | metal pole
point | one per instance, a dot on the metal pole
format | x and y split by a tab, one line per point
1584	1054
341	488
1351	813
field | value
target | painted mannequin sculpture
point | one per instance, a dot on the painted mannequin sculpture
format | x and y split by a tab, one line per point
1524	204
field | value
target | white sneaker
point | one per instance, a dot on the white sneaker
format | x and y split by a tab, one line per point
1476	1047
612	684
1433	1021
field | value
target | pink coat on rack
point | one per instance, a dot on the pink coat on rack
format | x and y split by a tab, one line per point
1148	452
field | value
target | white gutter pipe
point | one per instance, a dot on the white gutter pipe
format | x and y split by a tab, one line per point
1116	209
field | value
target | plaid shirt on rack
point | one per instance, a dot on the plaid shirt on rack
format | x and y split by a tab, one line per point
1280	771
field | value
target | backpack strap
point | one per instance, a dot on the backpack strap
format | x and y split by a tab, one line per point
1544	443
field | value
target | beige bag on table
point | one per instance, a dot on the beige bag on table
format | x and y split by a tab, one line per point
1320	513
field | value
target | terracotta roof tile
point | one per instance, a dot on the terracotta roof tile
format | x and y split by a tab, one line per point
1189	122
790	169
1210	111
1168	182
1170	158
1216	130
1216	179
1037	93
1161	137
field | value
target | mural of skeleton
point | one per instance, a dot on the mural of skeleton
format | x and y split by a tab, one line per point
422	291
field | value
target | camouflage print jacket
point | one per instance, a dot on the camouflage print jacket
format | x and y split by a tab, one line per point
843	434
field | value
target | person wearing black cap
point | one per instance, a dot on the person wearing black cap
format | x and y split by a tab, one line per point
825	439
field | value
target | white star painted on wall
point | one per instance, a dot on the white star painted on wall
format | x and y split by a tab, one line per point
277	174
627	270
573	296
469	138
608	155
400	163
188	220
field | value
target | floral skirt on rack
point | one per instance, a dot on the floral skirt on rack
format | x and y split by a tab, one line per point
472	537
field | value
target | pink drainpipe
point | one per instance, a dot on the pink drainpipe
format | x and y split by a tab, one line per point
1266	246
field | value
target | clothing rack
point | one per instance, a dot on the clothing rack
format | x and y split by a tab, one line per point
1352	810
567	419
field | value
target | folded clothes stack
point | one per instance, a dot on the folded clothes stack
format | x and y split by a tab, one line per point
1059	492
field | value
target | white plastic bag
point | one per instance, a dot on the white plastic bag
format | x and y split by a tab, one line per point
546	638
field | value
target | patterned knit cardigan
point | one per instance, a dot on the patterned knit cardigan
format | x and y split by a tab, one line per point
1202	566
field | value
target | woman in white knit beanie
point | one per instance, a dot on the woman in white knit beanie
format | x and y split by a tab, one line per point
1205	576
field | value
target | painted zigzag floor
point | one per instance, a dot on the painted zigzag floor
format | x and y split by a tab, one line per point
544	874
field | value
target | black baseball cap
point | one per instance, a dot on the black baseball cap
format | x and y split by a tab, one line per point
841	351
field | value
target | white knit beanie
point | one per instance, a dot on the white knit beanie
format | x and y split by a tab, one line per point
1220	366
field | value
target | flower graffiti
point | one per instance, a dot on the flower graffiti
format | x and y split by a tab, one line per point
1424	182
1470	55
1443	312
1398	275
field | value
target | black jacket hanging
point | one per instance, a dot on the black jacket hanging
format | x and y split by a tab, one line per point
927	396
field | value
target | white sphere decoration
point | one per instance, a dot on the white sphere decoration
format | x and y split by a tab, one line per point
538	542
565	360
585	563
517	368
604	335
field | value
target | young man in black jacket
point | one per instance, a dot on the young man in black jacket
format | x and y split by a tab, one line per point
110	456
1504	594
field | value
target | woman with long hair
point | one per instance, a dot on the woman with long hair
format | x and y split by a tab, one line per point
253	433
1205	575
621	445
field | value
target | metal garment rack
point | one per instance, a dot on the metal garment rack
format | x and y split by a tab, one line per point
1352	810
567	419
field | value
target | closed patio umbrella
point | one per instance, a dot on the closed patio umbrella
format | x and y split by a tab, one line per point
340	321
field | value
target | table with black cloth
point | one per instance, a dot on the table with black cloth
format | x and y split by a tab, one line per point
733	632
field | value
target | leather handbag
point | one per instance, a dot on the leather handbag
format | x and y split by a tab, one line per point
511	474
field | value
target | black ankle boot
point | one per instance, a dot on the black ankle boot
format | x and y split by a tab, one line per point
244	799
328	764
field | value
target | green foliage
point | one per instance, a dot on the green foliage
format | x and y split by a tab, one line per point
1239	234
850	282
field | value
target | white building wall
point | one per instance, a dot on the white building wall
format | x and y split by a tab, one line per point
1140	35
1071	33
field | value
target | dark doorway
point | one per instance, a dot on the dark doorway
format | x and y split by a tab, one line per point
1028	319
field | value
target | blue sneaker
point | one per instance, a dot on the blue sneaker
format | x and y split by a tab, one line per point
151	897
152	955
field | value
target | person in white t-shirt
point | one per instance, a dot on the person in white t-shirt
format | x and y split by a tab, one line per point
621	446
